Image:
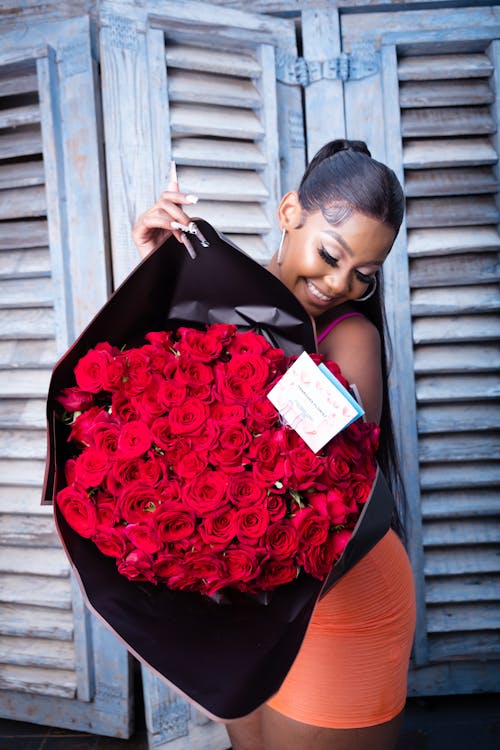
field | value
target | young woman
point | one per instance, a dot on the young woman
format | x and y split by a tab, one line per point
347	687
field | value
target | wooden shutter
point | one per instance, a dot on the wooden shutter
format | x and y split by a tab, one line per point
201	89
431	112
52	279
447	118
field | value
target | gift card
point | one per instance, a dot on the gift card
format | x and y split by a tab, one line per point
313	402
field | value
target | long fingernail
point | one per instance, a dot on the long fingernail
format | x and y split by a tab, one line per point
192	198
172	175
189	247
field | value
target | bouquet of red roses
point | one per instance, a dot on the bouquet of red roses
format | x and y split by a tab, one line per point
184	472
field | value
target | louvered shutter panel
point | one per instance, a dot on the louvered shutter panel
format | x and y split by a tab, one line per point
447	118
431	112
49	672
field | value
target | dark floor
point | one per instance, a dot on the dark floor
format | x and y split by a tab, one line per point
455	723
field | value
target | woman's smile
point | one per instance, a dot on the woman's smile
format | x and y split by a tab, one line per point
320	296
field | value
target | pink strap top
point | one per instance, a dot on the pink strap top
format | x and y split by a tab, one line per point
335	322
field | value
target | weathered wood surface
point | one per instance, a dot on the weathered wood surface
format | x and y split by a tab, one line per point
450	94
449	388
39	591
234	218
24	264
466	358
439	122
457	152
22	174
21	79
30	531
14	117
254	245
444	67
26	292
459	476
25	202
459	447
56	682
28	353
444	301
464	646
236	185
22	499
449	211
459	532
462	589
207	88
24	142
26	473
457	417
442	241
24	383
207	152
49	622
16	234
455	181
226	62
23	443
219	122
456	328
458	270
466	560
50	562
460	617
24	413
30	323
25	652
460	504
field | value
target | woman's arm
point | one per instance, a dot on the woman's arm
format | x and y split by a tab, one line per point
153	227
354	344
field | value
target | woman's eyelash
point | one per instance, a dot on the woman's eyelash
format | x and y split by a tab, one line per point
328	258
363	277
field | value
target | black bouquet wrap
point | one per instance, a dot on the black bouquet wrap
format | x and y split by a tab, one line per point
228	658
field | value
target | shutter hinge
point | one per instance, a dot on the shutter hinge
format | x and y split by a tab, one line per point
346	67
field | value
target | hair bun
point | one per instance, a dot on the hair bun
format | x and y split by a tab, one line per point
342	144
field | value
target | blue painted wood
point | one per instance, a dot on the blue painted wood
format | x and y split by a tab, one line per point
75	213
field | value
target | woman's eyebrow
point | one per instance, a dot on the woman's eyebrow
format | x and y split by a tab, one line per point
340	240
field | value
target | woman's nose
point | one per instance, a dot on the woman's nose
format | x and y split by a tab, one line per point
337	283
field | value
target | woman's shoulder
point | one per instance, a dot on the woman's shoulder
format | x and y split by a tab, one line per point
347	321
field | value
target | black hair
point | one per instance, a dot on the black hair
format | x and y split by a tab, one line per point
340	180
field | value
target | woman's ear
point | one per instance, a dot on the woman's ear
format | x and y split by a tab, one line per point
290	212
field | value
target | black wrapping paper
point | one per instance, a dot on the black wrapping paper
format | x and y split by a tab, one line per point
228	658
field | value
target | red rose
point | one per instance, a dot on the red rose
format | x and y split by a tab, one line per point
191	464
227	413
137	499
206	571
207	436
161	433
249	367
78	510
261	415
173	524
159	339
207	493
193	373
266	451
276	507
105	509
230	447
135	439
148	470
252	523
232	388
82	426
302	466
137	372
91	371
105	437
74	399
203	346
143	536
188	418
170	491
223	331
281	540
276	573
137	566
91	467
171	393
124	408
218	530
312	528
168	565
148	402
248	343
244	491
243	564
112	541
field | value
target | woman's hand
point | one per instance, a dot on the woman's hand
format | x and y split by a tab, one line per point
153	227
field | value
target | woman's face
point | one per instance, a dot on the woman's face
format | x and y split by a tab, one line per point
325	265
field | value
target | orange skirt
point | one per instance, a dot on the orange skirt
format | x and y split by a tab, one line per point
351	670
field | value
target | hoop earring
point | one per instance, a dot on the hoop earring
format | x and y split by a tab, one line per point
279	257
370	293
